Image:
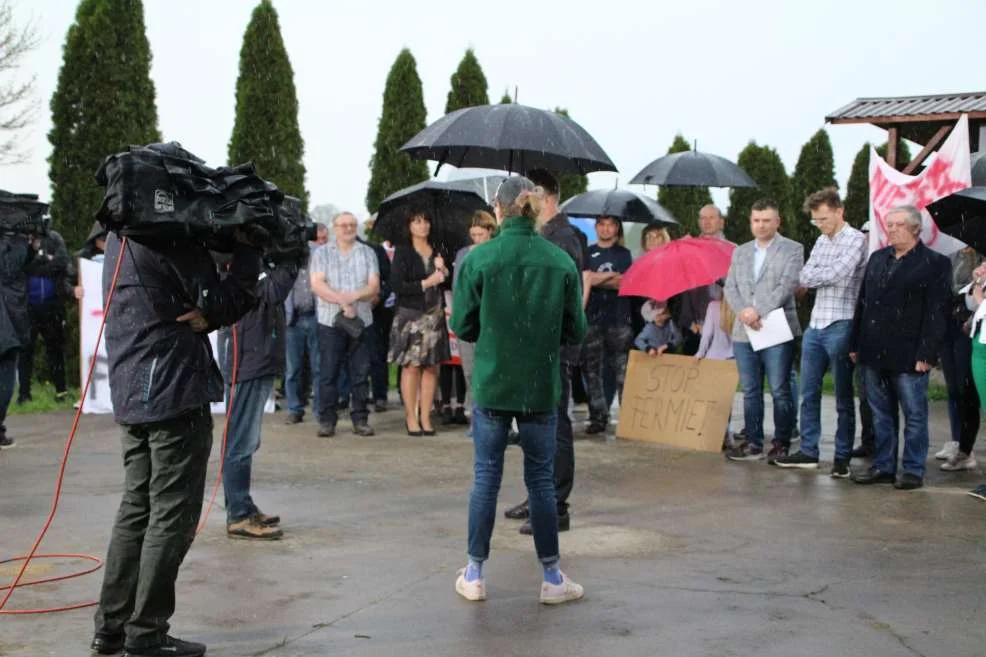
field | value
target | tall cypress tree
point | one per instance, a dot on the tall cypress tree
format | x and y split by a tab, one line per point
684	202
468	85
505	99
266	129
815	170
570	184
766	167
104	102
857	200
403	116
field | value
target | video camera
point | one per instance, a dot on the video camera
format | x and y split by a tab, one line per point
162	191
295	230
23	213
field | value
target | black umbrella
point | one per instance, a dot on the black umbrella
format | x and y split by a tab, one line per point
622	204
979	168
693	169
512	137
963	216
449	205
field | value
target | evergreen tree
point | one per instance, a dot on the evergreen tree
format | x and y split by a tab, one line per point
815	170
570	184
468	85
684	202
857	199
104	102
765	167
505	99
403	116
266	129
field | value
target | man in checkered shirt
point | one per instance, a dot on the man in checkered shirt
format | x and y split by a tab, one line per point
835	271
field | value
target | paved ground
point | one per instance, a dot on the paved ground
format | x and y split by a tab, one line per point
681	554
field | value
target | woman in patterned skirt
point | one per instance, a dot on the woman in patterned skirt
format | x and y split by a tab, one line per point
419	337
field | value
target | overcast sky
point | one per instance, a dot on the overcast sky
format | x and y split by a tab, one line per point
632	73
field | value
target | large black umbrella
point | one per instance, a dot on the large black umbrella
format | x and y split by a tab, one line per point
979	168
963	216
449	205
693	169
512	137
622	204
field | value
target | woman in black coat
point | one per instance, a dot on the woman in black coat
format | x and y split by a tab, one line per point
419	337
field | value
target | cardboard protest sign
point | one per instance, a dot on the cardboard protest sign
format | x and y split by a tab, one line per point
677	400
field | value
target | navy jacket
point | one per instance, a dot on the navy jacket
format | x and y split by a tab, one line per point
158	367
260	334
900	318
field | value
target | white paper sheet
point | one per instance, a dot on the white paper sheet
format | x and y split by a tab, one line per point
774	330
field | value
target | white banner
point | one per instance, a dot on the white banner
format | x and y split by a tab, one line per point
90	316
949	172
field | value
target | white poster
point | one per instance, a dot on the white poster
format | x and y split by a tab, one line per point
949	172
98	399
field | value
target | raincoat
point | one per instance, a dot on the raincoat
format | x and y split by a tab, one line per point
518	297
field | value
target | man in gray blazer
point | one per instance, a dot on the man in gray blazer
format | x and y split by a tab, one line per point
762	277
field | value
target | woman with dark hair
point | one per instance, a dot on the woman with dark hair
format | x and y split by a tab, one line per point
419	337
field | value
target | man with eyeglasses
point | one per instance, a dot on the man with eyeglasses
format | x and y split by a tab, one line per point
345	277
835	271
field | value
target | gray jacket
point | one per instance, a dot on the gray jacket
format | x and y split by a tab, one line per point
773	289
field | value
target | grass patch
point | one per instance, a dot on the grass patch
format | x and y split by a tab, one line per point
43	400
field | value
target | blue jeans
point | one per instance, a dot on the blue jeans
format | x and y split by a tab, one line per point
884	391
337	349
537	439
301	335
820	350
775	362
242	441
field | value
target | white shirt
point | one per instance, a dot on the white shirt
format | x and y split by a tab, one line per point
759	256
835	269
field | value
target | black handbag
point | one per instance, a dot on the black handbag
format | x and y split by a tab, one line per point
352	326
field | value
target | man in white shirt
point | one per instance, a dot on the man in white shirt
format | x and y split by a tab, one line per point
762	278
835	271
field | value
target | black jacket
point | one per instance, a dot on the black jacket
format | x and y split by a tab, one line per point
53	262
16	256
560	232
158	367
260	334
901	317
383	265
406	273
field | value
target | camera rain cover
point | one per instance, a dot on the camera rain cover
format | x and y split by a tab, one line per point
22	213
164	191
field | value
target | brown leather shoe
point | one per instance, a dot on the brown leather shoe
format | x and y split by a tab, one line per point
266	520
519	512
250	528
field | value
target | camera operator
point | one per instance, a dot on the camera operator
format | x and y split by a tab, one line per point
15	324
259	357
49	284
168	296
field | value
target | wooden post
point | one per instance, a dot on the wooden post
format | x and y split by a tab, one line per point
892	138
928	149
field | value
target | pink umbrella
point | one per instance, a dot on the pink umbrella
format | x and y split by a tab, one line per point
677	266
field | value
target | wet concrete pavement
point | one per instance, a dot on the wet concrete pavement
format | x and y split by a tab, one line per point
681	553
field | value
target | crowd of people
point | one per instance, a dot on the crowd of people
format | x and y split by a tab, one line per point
505	335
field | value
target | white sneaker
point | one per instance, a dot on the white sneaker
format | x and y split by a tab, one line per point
474	591
948	450
556	594
960	461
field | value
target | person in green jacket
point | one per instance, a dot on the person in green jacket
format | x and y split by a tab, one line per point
518	298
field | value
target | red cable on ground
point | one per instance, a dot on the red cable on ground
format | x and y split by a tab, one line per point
10	588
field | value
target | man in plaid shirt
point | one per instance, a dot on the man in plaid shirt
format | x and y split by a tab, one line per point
835	271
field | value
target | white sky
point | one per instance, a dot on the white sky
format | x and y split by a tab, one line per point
633	73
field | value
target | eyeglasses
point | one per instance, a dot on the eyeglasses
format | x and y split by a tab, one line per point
346	225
